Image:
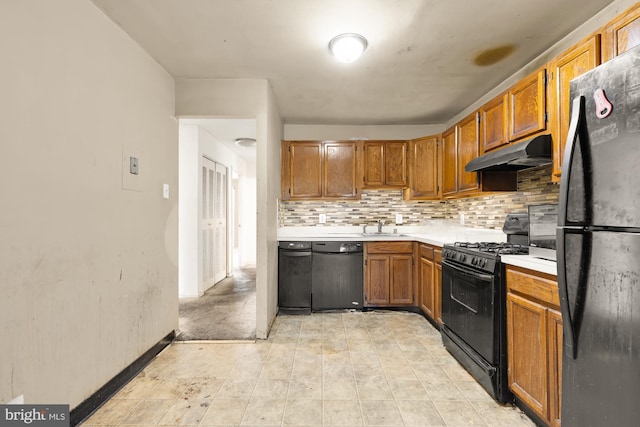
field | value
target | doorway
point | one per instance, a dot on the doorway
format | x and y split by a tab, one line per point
217	230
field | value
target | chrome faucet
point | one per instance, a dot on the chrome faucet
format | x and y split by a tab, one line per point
380	224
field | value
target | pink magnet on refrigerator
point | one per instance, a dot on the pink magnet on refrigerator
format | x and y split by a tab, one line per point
603	106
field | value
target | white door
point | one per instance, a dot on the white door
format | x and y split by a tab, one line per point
220	224
213	222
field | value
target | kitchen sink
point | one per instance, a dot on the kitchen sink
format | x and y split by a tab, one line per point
382	235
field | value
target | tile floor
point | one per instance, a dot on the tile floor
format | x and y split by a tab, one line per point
226	311
378	368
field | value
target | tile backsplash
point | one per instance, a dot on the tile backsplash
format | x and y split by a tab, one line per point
534	187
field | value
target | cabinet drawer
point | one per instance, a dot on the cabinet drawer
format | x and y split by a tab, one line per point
540	286
389	247
426	251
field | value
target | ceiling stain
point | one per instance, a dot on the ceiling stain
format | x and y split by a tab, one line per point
406	50
493	55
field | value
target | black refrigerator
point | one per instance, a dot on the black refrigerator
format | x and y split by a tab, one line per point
598	248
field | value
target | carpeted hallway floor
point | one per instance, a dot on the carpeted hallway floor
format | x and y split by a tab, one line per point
227	311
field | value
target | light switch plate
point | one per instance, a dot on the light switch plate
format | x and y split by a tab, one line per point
165	191
323	218
398	218
133	165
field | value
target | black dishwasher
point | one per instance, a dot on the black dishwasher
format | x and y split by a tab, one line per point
336	279
294	277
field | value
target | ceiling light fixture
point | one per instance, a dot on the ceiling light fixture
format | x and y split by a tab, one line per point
347	47
245	142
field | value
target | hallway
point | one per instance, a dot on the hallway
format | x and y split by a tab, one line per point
379	368
226	311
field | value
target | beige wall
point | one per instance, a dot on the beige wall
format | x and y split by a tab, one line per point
88	253
248	98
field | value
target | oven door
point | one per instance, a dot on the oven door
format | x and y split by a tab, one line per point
469	307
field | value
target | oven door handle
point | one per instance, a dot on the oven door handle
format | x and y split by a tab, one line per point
468	272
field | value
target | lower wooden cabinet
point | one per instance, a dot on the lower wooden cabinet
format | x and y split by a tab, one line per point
388	274
429	277
437	258
534	342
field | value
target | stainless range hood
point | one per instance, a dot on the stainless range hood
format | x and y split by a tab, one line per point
527	154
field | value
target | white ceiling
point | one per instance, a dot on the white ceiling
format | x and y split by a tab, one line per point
225	131
418	69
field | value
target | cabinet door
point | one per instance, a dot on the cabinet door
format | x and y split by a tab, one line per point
437	284
562	70
468	143
305	170
373	163
426	289
493	122
395	164
340	167
527	106
401	280
622	34
555	367
449	163
423	168
527	352
377	280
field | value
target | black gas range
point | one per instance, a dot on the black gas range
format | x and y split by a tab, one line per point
474	309
481	255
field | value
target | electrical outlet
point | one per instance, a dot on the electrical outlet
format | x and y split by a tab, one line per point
165	191
398	218
323	218
462	218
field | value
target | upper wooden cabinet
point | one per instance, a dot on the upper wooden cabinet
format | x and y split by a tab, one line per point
494	123
527	106
304	175
423	168
460	145
340	167
468	144
574	62
622	33
449	162
319	170
384	164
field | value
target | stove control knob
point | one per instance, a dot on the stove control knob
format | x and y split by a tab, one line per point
474	260
484	262
463	257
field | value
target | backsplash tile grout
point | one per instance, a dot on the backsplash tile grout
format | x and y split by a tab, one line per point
534	187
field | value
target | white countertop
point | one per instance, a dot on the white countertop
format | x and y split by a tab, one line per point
532	263
435	233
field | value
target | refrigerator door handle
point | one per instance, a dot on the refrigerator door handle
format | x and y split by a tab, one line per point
567	324
572	287
577	114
